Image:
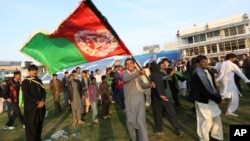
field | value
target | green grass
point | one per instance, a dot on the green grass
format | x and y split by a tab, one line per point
114	129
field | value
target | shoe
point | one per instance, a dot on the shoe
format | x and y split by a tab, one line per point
159	133
180	134
96	121
9	127
231	114
81	122
23	126
105	117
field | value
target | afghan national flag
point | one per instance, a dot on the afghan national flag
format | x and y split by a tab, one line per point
182	76
83	37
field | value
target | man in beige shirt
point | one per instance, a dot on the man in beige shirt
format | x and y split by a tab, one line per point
56	89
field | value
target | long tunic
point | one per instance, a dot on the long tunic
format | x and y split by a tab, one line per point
33	92
228	89
134	99
76	102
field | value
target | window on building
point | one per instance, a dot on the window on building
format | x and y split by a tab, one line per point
209	50
184	41
202	37
191	51
226	32
199	38
209	35
213	34
241	44
196	38
240	29
201	50
196	51
234	45
216	33
214	48
221	47
190	40
232	31
227	46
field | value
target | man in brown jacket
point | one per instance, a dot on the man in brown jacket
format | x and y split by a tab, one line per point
56	89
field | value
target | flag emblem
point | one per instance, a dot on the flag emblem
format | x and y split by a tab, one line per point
97	43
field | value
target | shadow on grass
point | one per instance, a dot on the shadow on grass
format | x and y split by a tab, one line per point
121	117
105	128
53	122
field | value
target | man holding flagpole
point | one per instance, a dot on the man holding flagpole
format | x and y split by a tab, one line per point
134	101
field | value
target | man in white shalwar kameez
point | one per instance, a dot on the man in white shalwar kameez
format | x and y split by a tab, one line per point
229	90
207	98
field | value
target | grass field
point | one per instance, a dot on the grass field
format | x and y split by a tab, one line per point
114	129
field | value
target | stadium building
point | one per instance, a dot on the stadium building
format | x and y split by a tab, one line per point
217	38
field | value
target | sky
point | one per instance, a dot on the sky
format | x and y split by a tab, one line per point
138	23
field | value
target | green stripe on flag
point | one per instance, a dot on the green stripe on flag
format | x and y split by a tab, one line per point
182	76
53	51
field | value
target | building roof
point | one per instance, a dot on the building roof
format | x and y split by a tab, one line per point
10	63
201	28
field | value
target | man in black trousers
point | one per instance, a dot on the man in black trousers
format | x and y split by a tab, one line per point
11	94
34	104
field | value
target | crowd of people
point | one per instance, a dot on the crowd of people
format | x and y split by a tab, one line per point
156	85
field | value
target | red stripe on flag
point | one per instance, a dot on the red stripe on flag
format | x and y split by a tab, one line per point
91	33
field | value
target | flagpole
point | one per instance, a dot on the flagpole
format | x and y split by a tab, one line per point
138	66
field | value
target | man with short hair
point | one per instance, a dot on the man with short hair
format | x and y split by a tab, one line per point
78	74
85	82
246	65
229	90
135	102
119	86
65	83
56	89
98	77
207	98
11	94
34	104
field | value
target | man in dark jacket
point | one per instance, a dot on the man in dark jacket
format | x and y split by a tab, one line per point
207	98
160	102
65	82
34	104
11	94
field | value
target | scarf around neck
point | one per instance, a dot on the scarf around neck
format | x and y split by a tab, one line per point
138	87
205	81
